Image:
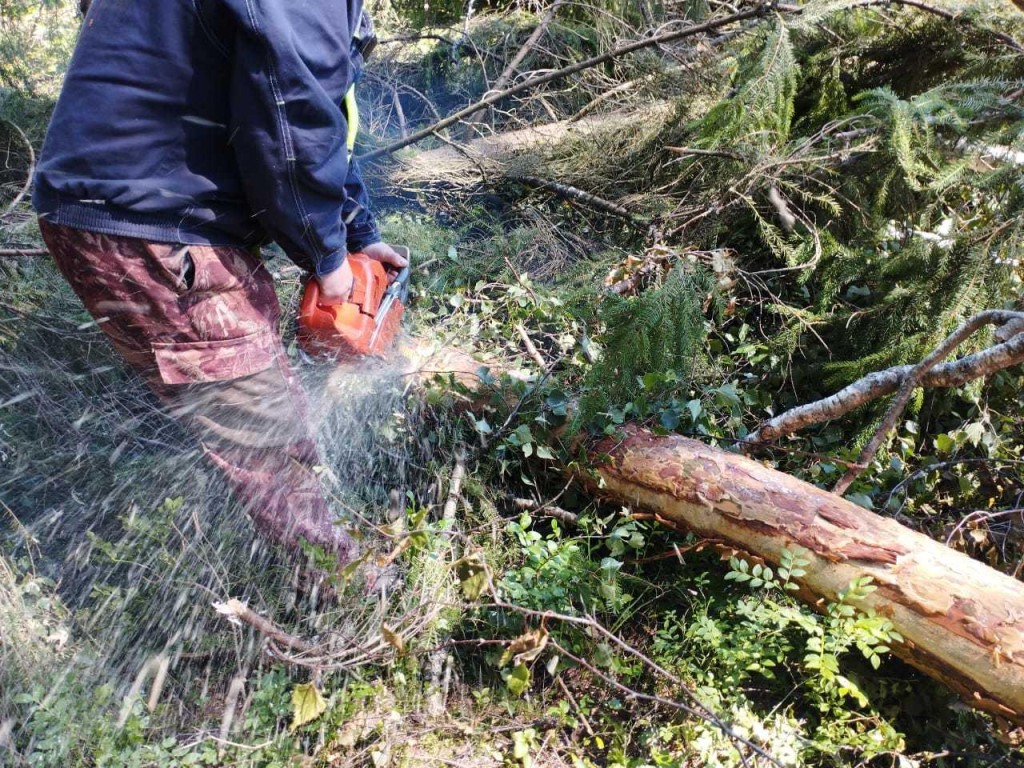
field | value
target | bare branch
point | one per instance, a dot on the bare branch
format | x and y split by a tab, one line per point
910	383
238	612
881	383
9	253
523	52
558	74
574	193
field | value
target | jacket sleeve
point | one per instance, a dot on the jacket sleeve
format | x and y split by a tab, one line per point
290	70
361	227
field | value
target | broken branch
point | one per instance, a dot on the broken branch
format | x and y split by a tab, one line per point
558	74
881	383
912	382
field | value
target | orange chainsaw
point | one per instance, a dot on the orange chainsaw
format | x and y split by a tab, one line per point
366	324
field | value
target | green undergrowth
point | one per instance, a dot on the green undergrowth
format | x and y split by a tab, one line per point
808	689
560	630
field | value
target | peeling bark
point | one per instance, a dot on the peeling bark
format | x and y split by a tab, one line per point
963	622
875	385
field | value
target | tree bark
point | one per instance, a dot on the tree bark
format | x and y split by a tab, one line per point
962	622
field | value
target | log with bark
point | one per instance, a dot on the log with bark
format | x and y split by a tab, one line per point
962	621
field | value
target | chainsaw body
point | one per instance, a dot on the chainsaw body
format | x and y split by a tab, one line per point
367	324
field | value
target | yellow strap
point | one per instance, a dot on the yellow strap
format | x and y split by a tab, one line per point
352	114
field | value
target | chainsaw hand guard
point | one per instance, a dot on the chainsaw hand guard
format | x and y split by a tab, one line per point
367	324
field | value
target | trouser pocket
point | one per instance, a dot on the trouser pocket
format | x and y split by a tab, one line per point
197	362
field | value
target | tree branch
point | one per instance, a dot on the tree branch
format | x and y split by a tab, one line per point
9	253
575	193
912	382
238	612
881	383
558	74
523	52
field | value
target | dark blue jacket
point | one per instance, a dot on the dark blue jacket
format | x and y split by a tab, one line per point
210	122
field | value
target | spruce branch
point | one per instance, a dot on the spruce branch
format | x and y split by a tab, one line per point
924	7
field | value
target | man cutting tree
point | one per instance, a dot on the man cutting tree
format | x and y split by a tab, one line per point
186	135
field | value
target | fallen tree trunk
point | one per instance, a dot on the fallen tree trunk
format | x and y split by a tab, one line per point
962	622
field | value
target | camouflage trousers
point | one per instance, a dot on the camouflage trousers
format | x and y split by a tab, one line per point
200	323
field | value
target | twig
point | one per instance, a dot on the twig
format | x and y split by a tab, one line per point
575	705
881	383
438	660
31	167
661	700
530	346
412	38
6	253
907	387
697	709
238	612
397	102
981	514
522	53
548	510
577	194
558	74
455	487
706	152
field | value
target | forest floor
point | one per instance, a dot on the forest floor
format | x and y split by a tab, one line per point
532	625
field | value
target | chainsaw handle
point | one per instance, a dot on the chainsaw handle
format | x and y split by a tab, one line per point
400	285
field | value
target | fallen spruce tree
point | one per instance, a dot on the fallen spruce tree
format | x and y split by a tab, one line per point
962	622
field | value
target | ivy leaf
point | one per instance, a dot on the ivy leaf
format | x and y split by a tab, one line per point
307	704
472	574
517	679
974	432
669	418
861	500
526	647
543	452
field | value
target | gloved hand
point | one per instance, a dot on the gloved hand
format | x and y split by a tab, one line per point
336	286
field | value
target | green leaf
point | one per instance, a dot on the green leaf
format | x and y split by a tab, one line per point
543	452
517	679
307	704
861	500
669	418
974	432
